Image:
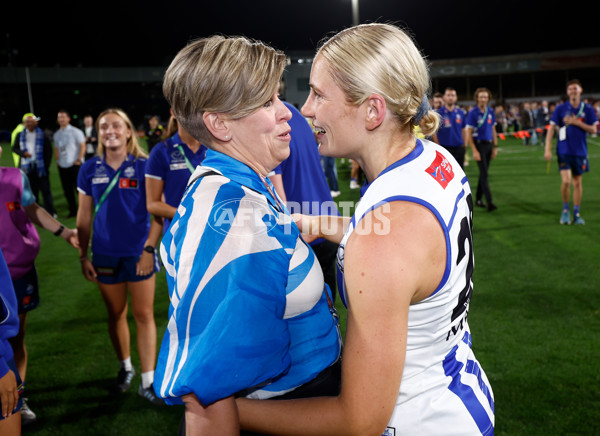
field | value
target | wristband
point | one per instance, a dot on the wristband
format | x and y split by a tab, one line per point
59	231
149	249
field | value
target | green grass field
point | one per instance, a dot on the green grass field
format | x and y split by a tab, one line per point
534	315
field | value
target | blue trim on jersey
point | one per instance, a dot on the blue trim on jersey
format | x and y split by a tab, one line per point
415	153
452	368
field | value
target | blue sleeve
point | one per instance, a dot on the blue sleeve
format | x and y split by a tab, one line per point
83	181
9	320
556	118
27	199
471	119
158	162
590	117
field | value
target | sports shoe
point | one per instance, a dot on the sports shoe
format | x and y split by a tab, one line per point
124	379
150	395
578	221
335	193
565	217
354	184
480	203
491	207
27	415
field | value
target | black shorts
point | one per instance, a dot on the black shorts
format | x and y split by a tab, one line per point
27	291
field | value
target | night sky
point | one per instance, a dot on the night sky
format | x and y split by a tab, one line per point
135	33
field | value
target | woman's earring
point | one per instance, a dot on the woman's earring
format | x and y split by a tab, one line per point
227	138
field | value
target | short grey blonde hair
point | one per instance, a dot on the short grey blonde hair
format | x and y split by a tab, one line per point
381	59
231	75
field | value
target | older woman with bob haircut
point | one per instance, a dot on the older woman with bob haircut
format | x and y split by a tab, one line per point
112	200
250	314
406	256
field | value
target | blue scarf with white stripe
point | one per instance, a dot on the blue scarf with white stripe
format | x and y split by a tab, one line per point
39	152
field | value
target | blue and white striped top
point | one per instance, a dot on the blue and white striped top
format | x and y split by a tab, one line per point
248	305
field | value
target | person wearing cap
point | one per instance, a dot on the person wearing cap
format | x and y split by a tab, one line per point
20	243
34	149
69	149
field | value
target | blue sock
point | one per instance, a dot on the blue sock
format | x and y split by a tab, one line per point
575	210
566	206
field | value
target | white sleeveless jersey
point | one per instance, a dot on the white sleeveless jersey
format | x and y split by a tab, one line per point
444	390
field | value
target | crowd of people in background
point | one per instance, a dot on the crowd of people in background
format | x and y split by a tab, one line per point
101	155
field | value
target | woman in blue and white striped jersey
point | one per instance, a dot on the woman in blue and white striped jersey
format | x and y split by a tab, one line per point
250	314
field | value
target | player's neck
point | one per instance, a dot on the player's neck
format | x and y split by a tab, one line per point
575	101
450	107
189	140
115	157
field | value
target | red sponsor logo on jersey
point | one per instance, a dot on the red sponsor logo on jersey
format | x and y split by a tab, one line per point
13	205
125	183
441	170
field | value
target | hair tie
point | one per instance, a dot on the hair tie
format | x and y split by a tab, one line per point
423	109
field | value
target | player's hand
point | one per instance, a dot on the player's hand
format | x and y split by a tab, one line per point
145	265
70	235
9	393
308	226
88	270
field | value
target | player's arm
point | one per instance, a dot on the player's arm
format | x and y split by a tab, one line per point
219	418
494	142
85	215
471	142
408	265
154	198
548	146
574	121
330	227
38	215
146	262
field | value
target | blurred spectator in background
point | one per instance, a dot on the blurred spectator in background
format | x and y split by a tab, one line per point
91	137
155	132
69	146
501	118
437	101
527	124
35	151
450	134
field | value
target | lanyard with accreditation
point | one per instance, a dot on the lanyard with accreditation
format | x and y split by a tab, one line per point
187	161
109	188
562	132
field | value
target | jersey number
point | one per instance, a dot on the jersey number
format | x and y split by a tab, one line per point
465	234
